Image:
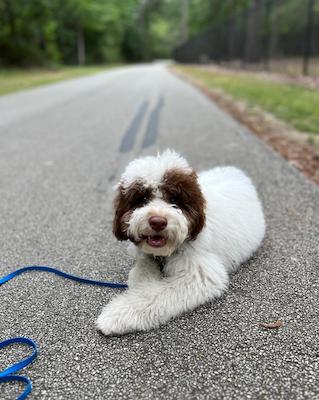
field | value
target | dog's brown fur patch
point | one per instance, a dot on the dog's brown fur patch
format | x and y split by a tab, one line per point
182	189
125	202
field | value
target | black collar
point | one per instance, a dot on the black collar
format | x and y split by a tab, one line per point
161	261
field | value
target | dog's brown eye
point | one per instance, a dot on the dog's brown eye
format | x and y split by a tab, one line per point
173	200
140	201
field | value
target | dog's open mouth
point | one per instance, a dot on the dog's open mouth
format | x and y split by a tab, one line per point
156	240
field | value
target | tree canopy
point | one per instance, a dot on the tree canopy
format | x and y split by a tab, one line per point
48	32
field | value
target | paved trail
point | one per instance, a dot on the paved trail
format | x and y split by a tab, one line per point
62	147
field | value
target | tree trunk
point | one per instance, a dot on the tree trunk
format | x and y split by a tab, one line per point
11	17
267	38
252	50
308	37
231	38
80	43
184	21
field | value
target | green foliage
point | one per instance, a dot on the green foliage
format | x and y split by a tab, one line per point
21	41
207	13
47	32
44	32
290	16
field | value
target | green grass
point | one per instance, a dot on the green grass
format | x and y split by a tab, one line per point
12	80
296	105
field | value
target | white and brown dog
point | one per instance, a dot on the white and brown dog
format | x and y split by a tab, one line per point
199	228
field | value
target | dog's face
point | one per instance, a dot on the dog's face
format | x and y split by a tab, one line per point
159	209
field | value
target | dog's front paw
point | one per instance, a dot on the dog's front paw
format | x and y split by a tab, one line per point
112	322
120	317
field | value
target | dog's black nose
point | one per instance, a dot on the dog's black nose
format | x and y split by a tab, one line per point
157	223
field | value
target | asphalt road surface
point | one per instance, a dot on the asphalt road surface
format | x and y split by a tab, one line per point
62	147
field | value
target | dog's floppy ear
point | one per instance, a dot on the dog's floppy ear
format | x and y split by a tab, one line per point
120	208
196	214
184	187
193	204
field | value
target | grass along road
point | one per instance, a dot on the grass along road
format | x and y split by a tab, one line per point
13	80
231	89
296	105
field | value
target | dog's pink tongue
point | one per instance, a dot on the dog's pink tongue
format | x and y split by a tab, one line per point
156	241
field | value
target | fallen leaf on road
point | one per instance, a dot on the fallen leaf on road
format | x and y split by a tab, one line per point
272	325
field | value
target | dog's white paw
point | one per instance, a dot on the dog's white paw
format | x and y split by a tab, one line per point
120	317
112	321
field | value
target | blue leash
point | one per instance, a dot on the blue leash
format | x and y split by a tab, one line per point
8	374
63	274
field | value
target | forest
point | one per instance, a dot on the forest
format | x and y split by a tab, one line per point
54	32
